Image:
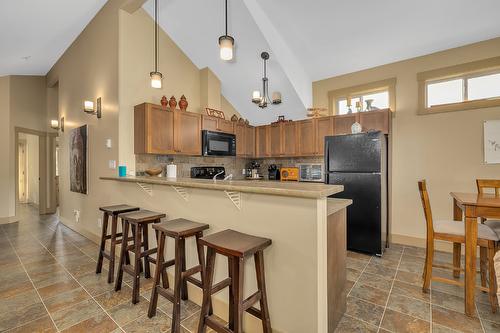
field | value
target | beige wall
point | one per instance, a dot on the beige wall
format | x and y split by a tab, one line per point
5	196
210	96
445	148
88	70
228	108
32	150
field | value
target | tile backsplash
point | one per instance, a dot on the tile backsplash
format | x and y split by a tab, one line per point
233	165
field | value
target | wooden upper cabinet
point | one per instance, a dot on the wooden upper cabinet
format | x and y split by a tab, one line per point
375	121
289	138
324	127
262	146
275	139
249	141
187	138
153	130
342	123
216	124
240	133
306	137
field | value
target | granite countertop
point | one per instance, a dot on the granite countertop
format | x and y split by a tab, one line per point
289	189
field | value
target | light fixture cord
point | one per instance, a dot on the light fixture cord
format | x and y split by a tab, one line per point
156	35
226	17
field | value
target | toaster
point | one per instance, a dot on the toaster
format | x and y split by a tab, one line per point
289	174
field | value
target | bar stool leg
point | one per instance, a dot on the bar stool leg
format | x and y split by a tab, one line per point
182	245
261	285
207	289
201	261
164	275
231	296
237	286
111	272
137	259
176	314
127	255
103	242
123	250
158	272
133	227
145	239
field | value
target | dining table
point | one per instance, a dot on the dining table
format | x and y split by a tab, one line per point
468	207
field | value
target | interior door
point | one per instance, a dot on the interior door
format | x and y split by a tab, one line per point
22	172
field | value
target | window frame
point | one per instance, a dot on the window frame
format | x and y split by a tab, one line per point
389	85
465	72
360	96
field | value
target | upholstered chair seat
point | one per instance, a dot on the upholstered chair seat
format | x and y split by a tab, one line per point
457	228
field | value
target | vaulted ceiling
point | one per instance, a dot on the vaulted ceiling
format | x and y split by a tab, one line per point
307	40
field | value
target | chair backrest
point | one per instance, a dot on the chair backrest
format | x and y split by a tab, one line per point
422	187
493	184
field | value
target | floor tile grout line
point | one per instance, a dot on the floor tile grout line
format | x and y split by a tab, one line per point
79	284
359	319
36	290
356	282
390	291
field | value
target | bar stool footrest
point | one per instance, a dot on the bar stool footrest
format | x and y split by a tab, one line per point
254	298
191	271
194	281
254	312
106	255
219	286
148	252
213	324
129	269
167	293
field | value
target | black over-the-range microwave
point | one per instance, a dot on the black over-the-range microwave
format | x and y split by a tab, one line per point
218	144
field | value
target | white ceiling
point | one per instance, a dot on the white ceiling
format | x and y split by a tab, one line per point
313	40
307	40
40	30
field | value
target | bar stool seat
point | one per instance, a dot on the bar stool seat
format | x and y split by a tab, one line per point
139	222
236	246
114	237
179	229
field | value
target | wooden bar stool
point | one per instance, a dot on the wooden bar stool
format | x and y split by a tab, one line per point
179	229
140	221
235	246
112	211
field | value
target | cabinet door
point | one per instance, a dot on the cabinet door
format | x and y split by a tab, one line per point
289	139
375	121
240	133
160	131
324	127
306	138
187	133
225	126
262	143
275	138
343	123
250	141
209	123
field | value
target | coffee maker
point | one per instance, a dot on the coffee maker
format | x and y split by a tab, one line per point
273	172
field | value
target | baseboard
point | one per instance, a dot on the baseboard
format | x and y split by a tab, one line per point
7	220
421	242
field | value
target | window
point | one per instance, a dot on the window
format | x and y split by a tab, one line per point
380	100
467	86
381	93
463	89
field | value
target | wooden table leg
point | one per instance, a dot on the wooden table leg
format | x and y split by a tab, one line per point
457	247
470	262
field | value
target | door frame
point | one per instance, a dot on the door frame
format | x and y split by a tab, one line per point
46	170
24	144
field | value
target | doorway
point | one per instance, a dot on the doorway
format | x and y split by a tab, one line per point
23	182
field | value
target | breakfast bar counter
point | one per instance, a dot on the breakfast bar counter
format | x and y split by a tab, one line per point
305	265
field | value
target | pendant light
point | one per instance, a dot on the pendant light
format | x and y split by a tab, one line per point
156	76
262	98
226	43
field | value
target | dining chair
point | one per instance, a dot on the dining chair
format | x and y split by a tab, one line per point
483	185
454	231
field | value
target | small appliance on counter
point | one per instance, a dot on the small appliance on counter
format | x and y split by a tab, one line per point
273	172
253	172
311	172
289	174
208	172
218	144
171	170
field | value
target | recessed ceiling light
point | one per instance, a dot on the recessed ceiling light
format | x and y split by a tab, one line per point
26	58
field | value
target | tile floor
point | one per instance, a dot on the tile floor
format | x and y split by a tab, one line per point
48	284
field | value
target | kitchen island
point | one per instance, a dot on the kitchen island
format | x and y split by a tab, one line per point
304	266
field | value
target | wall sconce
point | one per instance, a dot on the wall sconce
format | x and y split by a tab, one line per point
88	107
56	124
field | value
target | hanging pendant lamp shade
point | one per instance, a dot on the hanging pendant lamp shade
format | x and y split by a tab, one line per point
155	76
226	42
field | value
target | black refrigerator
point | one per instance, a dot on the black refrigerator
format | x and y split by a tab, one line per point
359	162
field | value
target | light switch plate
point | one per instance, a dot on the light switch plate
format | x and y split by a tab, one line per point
108	143
112	164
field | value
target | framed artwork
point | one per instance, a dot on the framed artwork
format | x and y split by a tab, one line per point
78	154
492	141
215	113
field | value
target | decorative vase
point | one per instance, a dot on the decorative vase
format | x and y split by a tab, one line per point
164	101
356	128
183	103
172	103
369	104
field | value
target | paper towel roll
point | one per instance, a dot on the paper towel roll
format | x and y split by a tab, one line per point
172	171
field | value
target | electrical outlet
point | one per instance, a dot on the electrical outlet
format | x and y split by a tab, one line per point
112	164
99	222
